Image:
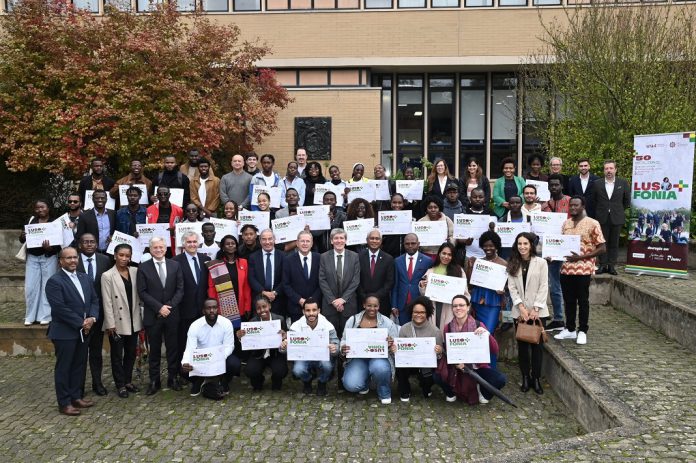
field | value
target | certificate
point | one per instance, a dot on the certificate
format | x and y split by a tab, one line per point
367	343
67	227
208	361
395	222
415	353
224	227
121	238
89	203
443	288
261	335
273	192
412	190
319	191
357	230
467	348
144	199
176	196
183	228
547	222
489	275
558	247
430	233
37	233
316	217
508	231
381	190
364	190
542	189
308	345
287	228
146	231
471	225
260	219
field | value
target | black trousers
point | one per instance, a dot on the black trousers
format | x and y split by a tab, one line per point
167	328
523	352
611	235
71	366
255	367
426	381
96	345
123	358
576	293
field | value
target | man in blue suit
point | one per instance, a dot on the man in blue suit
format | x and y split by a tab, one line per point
74	311
266	272
581	185
301	275
409	268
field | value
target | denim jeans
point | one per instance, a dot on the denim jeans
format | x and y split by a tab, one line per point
555	289
38	270
303	370
358	373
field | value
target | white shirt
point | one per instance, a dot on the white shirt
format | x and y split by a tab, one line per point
202	193
298	184
415	260
76	282
322	324
189	258
527	212
609	187
210	251
201	335
309	261
264	255
584	181
157	266
85	264
270	180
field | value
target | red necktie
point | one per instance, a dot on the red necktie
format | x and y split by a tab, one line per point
372	266
410	275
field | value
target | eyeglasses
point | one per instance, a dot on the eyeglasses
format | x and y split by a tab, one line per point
74	202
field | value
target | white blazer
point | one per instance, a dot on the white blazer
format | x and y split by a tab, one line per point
535	293
115	300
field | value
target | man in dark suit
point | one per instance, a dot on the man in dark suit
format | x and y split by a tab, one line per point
74	311
611	196
409	268
581	185
376	273
266	272
100	221
195	274
301	275
94	265
161	289
96	180
339	277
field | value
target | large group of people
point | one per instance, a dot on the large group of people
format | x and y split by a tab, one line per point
197	292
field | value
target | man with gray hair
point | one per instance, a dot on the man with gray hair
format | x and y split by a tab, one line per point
266	272
555	167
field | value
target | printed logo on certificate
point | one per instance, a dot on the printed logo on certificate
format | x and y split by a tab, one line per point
467	348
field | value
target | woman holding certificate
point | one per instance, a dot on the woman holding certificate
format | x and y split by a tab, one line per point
433	213
313	177
487	302
368	359
444	265
264	204
228	282
528	282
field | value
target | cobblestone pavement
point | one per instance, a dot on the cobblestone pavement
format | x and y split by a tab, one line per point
653	375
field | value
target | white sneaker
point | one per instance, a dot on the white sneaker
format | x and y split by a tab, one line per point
405	399
582	337
451	399
364	391
27	323
482	399
565	334
386	401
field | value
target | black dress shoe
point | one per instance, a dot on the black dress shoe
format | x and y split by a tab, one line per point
537	386
602	269
173	384
612	270
153	388
307	388
525	383
123	392
130	387
99	389
321	389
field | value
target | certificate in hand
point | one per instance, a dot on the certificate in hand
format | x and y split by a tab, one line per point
471	225
412	190
121	238
467	348
224	227
68	236
261	335
558	247
273	192
395	222
260	219
430	233
443	288
89	204
37	233
357	230
308	345
367	343
364	190
547	222
185	227
542	188
147	231
287	228
489	275
508	231
381	190
319	191
144	199
208	361
415	353
317	217
176	196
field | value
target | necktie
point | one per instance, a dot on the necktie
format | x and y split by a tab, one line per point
339	269
90	269
372	266
306	268
162	276
410	268
269	272
197	273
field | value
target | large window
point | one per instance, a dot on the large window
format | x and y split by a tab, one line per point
445	3
474	3
215	5
441	119
503	120
409	120
385	81
472	120
536	101
512	2
378	4
147	5
186	5
411	3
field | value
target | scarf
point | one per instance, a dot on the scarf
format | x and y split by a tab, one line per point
224	288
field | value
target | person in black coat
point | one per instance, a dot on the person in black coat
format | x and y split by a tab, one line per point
300	282
95	181
376	273
267	281
89	221
576	187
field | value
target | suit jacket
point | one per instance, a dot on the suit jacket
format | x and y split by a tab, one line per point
68	310
296	286
381	283
103	263
575	189
86	184
536	291
194	293
115	300
329	284
611	210
257	278
153	295
402	285
88	224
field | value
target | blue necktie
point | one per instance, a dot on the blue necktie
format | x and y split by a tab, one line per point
306	268
90	269
269	272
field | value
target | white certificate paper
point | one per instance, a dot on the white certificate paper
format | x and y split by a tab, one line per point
412	190
415	353
261	335
37	233
176	196
381	190
508	231
320	190
144	199
65	224
273	192
146	231
121	238
471	225
224	227
542	188
367	343
395	222
308	345
287	228
185	227
357	230
260	219
489	275
430	233
208	361
467	348
317	217
364	190
443	288
89	204
558	247
547	222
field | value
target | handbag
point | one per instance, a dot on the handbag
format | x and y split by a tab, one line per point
532	334
22	253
